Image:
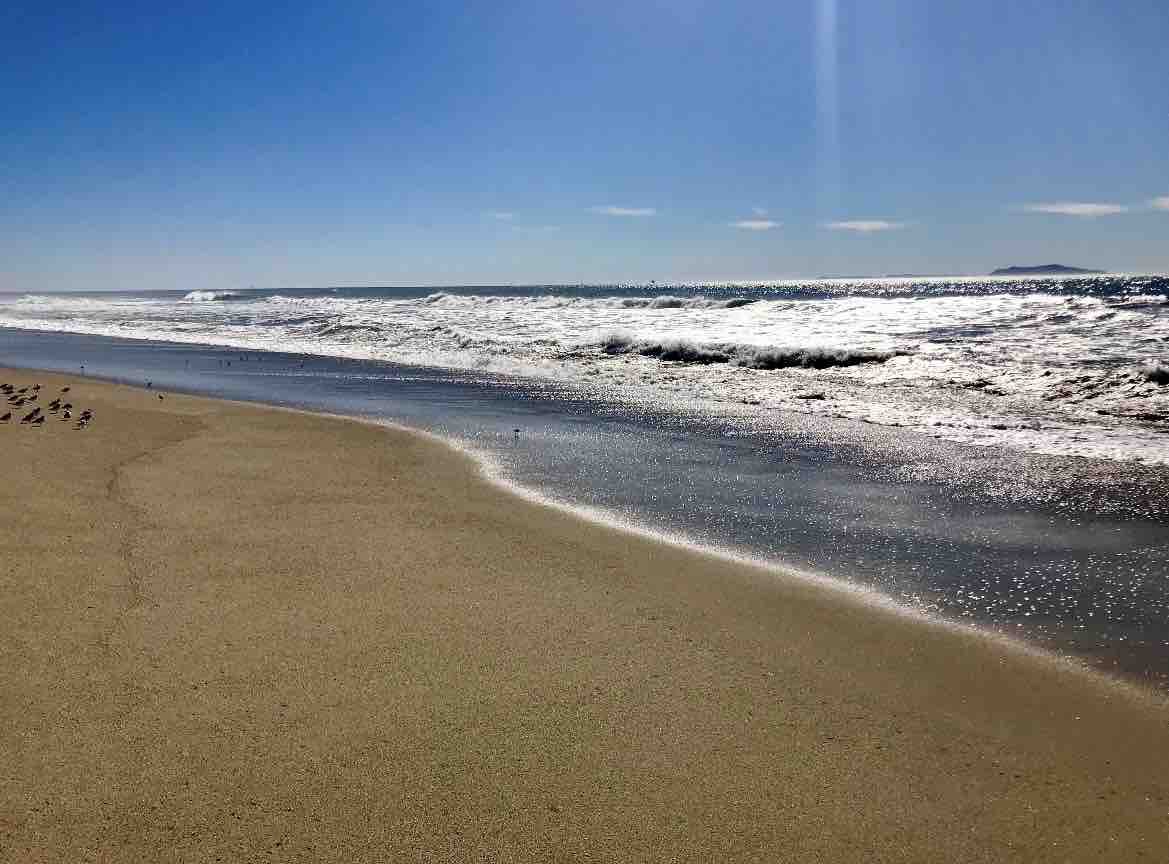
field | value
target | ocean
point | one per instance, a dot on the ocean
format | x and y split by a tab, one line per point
991	452
1058	366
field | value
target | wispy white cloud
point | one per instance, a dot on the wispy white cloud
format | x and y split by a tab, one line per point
1161	203
536	228
501	215
756	224
865	226
1076	208
610	210
759	211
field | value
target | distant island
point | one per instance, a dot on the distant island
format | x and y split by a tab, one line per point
1044	270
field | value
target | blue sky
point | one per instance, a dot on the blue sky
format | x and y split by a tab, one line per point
147	146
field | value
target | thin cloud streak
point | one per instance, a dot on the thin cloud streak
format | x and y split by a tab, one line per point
864	226
501	215
756	224
1086	209
610	210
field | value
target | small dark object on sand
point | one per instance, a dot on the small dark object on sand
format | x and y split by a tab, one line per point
64	389
159	395
39	420
6	417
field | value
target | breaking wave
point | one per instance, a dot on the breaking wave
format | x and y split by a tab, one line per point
669	302
683	350
211	296
1156	372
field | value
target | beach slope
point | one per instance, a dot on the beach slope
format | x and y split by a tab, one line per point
233	633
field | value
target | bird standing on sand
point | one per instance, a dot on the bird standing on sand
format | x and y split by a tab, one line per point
64	389
6	417
39	420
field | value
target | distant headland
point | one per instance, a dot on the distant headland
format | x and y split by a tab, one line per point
1044	270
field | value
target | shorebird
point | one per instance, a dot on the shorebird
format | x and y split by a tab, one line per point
27	418
36	386
38	421
65	389
67	405
159	395
55	404
6	417
66	416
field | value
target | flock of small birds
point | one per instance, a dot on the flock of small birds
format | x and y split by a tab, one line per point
20	397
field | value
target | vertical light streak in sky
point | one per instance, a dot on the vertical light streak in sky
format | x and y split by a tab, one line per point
827	111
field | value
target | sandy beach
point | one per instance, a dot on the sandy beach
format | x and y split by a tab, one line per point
234	633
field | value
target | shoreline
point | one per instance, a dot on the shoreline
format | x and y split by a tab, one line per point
488	467
237	630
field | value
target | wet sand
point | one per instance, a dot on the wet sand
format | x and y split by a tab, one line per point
235	633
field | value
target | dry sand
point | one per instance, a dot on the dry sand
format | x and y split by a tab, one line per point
233	633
